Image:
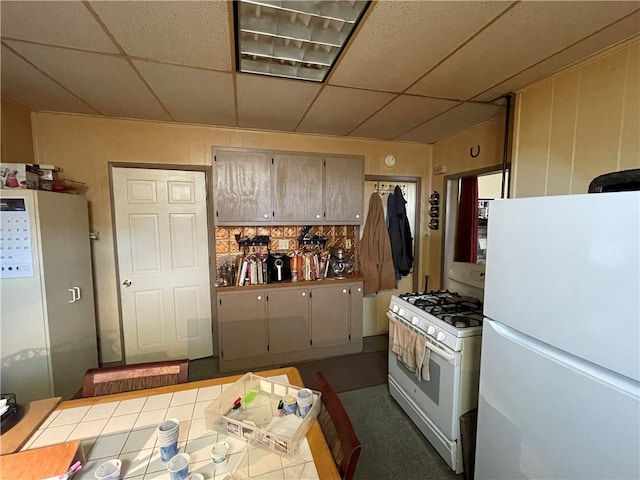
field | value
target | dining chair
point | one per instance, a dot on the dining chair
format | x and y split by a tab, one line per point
126	378
337	429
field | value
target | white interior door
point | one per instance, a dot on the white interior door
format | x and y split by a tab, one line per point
163	263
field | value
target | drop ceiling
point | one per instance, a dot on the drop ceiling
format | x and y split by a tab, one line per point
412	71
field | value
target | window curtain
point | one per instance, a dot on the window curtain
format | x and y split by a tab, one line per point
467	229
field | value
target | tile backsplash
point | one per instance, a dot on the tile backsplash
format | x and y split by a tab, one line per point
337	235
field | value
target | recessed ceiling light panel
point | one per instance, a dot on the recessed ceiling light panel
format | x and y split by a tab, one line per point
294	39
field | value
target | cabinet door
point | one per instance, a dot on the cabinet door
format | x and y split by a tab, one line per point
242	187
330	315
242	320
289	320
70	322
297	181
344	190
356	317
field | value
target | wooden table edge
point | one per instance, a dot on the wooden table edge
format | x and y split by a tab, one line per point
322	457
36	412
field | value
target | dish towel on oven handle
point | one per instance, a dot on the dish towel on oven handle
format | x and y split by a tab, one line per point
404	344
411	349
422	358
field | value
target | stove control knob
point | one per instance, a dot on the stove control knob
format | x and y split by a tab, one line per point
395	309
431	330
401	312
440	336
415	320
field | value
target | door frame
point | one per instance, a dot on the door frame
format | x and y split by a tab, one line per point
417	234
444	203
208	172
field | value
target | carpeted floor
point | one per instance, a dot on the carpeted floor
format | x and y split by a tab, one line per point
392	446
348	372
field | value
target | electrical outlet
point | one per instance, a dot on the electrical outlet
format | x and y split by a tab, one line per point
347	244
283	244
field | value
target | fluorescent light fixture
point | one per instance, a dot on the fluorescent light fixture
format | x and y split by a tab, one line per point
294	39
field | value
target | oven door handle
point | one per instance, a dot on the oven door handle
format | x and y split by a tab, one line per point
450	357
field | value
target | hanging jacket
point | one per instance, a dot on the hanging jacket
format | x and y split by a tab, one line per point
400	235
374	250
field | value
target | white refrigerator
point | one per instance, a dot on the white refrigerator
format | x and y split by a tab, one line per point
48	328
560	368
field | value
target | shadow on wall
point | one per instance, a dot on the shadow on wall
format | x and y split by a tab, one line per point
22	374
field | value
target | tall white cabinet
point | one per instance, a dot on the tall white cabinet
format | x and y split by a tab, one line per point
47	320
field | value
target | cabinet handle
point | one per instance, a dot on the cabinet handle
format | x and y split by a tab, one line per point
266	215
318	215
357	215
344	290
77	289
73	295
304	294
259	297
359	289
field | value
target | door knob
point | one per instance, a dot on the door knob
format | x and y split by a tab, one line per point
127	283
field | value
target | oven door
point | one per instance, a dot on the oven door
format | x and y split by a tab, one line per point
438	398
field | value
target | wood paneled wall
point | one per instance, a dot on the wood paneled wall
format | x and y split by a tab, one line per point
577	125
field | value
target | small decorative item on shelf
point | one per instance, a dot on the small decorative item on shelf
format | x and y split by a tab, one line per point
305	239
434	211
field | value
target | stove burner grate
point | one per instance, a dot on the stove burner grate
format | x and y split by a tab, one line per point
457	310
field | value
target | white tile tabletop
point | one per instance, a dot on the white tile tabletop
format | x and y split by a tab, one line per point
127	430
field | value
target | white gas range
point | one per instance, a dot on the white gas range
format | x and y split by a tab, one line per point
449	323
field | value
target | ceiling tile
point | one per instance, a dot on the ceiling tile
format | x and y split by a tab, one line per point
105	82
401	40
401	115
618	32
273	103
192	95
515	42
27	86
339	110
68	24
186	33
455	120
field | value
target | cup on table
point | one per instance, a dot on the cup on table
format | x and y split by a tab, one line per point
289	405
220	456
109	470
178	466
305	400
168	432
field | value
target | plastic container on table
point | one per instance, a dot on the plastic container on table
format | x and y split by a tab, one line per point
248	409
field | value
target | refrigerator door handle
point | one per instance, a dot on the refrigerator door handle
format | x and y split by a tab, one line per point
73	295
570	361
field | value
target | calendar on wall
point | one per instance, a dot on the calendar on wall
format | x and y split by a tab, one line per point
16	257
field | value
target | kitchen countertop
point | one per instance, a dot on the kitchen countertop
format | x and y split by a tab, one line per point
299	283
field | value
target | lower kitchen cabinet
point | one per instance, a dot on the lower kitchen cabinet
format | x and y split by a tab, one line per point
242	322
330	315
289	320
278	325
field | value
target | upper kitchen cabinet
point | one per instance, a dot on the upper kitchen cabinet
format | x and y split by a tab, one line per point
254	187
344	190
298	189
242	192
